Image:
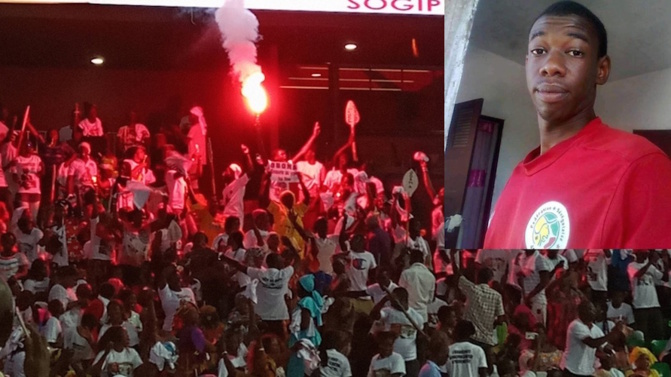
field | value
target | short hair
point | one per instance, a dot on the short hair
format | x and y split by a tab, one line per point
383	336
236	236
230	221
416	256
107	290
571	8
485	274
464	330
89	320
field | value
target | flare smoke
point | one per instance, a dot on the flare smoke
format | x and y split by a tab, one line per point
240	32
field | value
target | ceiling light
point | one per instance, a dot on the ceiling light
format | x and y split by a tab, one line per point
98	60
350	47
316	75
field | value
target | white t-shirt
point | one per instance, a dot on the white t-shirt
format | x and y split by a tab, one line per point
377	293
337	366
106	252
250	241
176	190
570	255
394	364
312	174
58	292
421	286
71	319
643	288
27	243
9	266
51	330
127	360
405	345
220	240
514	267
197	145
28	168
495	260
358	268
532	266
624	312
239	255
61	259
36	286
75	342
233	196
578	357
91	129
170	301
465	360
597	269
273	285
83	172
554	262
132	134
326	248
432	311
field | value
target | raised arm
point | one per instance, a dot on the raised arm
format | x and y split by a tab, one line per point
427	179
248	159
234	263
308	144
342	149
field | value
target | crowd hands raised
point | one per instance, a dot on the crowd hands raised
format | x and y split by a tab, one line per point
119	266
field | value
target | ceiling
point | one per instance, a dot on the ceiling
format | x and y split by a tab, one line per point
183	38
637	31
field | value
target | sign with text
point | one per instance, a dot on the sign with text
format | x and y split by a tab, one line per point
282	172
282	177
400	7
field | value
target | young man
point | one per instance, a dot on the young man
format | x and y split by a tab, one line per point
420	284
642	274
587	185
405	325
583	340
465	358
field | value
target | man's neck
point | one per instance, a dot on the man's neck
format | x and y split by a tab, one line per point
553	133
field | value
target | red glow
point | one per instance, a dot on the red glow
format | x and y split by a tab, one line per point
254	93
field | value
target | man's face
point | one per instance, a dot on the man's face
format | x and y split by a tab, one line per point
563	68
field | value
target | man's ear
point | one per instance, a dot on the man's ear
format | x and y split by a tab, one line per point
603	70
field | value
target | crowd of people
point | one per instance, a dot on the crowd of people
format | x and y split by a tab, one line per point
124	269
115	257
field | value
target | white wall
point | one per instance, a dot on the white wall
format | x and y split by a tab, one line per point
637	103
502	84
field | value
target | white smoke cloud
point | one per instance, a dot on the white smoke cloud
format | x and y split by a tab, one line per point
240	33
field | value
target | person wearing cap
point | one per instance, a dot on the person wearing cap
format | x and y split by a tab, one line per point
27	172
82	173
235	181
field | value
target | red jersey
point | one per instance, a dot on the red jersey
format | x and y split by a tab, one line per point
602	188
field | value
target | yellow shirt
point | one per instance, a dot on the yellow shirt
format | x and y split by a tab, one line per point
283	226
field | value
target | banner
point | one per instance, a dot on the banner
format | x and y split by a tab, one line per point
399	7
283	176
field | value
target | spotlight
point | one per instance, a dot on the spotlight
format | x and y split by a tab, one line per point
98	60
350	47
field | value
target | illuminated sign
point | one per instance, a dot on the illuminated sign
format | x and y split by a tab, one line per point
399	7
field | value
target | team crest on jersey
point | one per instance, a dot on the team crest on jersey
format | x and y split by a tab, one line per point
548	228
